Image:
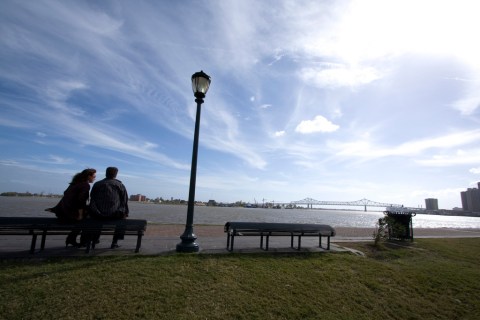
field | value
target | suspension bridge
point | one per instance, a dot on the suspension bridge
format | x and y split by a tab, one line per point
309	202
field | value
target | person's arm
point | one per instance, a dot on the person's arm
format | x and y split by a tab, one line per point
121	199
125	199
82	197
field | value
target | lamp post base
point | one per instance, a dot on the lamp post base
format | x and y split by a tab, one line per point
188	243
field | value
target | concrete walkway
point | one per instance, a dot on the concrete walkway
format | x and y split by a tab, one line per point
162	239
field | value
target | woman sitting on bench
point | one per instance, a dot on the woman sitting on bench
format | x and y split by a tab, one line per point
72	207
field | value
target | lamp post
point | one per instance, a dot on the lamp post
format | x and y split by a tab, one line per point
200	84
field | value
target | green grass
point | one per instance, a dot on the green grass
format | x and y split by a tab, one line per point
431	279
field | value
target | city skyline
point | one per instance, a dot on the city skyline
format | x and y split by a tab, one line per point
328	100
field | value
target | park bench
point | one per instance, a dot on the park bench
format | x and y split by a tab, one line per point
43	227
267	230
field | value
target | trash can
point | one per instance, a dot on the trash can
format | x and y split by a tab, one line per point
400	224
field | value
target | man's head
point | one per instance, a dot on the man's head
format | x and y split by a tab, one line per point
111	172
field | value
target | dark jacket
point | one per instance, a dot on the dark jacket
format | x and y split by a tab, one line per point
109	200
74	202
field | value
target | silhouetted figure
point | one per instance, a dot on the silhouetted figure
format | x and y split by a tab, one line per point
73	205
109	201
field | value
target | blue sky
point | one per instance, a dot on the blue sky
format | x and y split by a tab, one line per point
332	100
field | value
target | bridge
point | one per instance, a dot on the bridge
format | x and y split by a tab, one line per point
309	202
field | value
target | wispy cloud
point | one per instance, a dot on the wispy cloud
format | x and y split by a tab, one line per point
468	105
60	160
330	75
475	170
366	149
458	158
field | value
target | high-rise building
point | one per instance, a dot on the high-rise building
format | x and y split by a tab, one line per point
471	199
463	196
431	204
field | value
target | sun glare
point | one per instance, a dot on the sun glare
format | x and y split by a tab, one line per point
377	29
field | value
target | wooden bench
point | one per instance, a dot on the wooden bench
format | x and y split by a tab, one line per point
52	226
267	230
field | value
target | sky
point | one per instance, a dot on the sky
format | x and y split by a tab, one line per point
330	100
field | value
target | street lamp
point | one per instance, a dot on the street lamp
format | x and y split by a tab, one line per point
200	84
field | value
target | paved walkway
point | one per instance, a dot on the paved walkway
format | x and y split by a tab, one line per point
162	239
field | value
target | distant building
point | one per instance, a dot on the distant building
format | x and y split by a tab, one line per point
463	196
431	204
471	199
138	197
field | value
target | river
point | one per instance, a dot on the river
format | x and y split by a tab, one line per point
173	214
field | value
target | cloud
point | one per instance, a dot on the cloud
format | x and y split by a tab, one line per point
9	162
471	157
367	150
475	170
469	104
14	123
331	75
41	134
62	89
319	124
279	133
60	160
91	132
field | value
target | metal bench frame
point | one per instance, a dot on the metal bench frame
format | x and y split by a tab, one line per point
265	229
52	226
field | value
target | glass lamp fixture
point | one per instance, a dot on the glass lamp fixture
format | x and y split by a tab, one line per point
200	84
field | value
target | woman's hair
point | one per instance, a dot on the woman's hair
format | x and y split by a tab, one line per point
83	176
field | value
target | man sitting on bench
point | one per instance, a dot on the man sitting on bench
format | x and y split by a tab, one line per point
109	201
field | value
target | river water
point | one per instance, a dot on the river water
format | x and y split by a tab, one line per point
173	214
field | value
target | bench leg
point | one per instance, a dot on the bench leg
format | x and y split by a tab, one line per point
44	237
33	244
328	243
261	241
299	242
230	237
139	242
88	245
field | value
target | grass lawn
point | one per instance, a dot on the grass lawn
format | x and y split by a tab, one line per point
430	279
